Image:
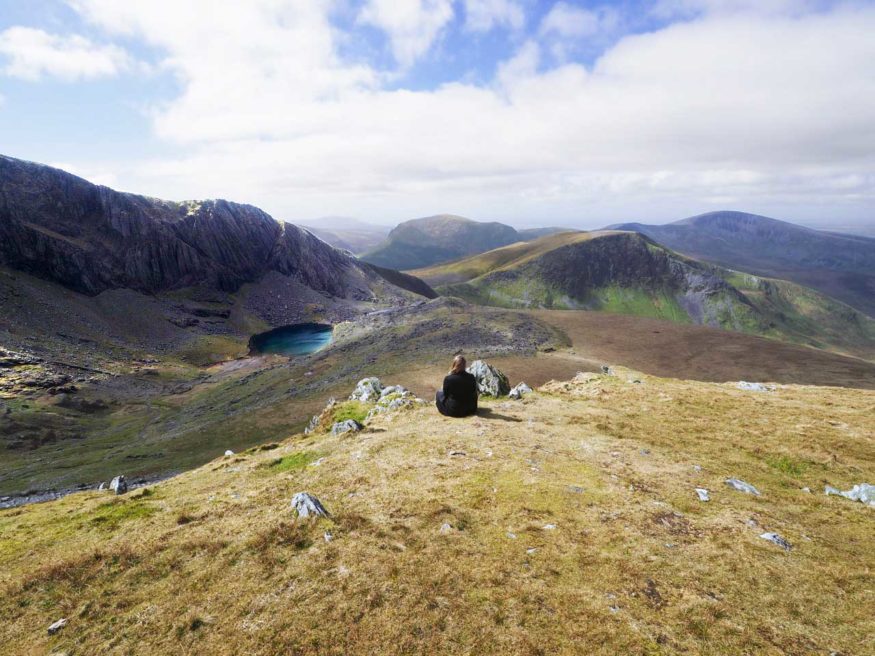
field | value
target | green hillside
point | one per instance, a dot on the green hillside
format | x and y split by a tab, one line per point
627	273
440	238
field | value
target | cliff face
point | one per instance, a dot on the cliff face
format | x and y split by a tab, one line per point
90	238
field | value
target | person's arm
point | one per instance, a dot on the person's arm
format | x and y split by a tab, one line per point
446	388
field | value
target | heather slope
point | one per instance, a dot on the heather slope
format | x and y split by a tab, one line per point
564	523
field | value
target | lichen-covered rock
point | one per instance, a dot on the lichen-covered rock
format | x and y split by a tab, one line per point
119	485
367	390
490	381
392	398
346	426
393	389
519	391
306	505
741	486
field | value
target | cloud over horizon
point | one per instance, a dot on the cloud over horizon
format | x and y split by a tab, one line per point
568	113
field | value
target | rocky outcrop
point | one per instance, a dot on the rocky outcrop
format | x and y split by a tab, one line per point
90	238
367	390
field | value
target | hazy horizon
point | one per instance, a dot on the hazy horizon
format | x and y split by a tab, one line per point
576	114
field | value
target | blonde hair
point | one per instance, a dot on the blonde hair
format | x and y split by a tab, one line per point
459	364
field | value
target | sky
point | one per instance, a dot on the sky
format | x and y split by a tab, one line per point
523	111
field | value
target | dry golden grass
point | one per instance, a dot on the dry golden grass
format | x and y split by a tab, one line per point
212	562
502	258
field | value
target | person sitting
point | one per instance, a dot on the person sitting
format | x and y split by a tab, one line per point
458	398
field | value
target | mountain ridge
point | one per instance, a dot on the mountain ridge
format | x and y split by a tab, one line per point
444	237
629	273
91	238
839	265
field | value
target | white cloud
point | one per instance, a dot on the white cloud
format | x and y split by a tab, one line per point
568	21
772	111
484	15
412	26
33	53
672	8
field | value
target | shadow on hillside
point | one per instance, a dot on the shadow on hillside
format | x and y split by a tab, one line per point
488	413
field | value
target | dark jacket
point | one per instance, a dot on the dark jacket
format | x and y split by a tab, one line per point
459	395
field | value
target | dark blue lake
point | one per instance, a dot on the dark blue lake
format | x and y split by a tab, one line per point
298	339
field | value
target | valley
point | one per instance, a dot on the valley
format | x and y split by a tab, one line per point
145	337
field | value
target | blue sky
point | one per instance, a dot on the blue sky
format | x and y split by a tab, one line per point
571	113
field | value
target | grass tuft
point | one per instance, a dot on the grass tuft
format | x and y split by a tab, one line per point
294	462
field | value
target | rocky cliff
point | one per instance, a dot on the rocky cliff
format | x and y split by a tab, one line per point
90	238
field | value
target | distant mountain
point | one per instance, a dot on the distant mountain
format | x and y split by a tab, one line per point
442	238
349	234
628	273
90	239
842	266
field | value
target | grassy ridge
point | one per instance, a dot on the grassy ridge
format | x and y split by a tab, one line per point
570	521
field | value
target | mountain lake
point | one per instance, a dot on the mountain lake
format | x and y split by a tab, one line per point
297	339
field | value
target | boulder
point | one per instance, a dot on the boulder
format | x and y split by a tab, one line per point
119	485
754	387
57	626
741	486
306	505
703	494
519	391
864	493
346	426
229	452
778	540
490	381
101	487
367	390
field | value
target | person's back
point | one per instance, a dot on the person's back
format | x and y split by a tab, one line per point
458	398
